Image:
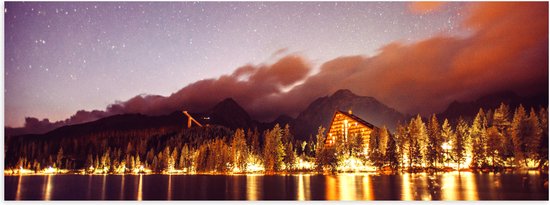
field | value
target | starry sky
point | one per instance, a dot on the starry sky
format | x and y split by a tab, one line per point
64	57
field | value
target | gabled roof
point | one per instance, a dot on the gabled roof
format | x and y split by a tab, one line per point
356	119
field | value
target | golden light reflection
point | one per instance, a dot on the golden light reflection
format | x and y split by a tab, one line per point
368	192
332	188
122	187
307	186
140	184
236	185
103	186
301	194
449	189
406	194
48	189
303	187
18	194
347	186
169	187
426	195
470	189
252	187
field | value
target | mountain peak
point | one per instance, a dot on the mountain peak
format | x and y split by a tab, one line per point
229	113
229	100
343	93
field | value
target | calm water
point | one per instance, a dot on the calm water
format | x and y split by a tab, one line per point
447	186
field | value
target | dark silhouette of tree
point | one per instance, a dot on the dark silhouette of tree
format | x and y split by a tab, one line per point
391	157
519	130
495	145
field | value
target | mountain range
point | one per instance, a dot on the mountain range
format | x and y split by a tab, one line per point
229	113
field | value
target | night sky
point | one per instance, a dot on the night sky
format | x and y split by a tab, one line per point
273	58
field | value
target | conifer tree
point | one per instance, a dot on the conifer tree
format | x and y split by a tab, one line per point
459	142
239	149
519	133
273	149
543	146
401	140
478	139
391	154
383	141
495	145
501	120
434	150
534	136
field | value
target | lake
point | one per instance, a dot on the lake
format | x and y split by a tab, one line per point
444	186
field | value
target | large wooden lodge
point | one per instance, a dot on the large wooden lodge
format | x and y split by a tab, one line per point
344	125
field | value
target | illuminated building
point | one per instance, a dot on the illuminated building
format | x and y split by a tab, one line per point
344	125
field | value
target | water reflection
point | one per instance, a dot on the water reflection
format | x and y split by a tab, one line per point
470	188
48	188
368	192
89	186
253	184
346	185
304	192
169	187
332	188
122	187
441	186
140	184
449	189
103	186
18	193
406	193
426	187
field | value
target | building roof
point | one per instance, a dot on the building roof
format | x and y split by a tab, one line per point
356	119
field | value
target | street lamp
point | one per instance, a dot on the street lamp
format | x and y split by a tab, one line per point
446	147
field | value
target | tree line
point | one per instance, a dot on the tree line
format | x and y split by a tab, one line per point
495	139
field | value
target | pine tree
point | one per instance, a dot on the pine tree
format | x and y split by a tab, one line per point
255	142
357	146
417	141
534	136
325	157
273	149
289	157
519	133
391	154
287	140
184	158
501	120
239	149
495	145
375	156
447	136
478	140
175	158
59	159
401	140
460	142
383	143
543	146
434	150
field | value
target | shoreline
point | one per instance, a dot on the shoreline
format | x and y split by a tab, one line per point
524	171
